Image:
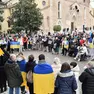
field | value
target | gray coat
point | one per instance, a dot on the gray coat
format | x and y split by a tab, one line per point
13	73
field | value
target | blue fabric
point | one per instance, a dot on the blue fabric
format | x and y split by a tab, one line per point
17	90
90	40
14	43
66	85
10	62
90	33
22	65
43	68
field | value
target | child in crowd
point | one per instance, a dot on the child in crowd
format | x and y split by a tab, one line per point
75	68
56	66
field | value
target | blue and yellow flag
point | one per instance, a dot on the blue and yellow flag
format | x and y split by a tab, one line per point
22	65
14	45
1	52
43	79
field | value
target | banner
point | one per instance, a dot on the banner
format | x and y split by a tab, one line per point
14	45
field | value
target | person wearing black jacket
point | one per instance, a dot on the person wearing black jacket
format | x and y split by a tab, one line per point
13	74
87	79
30	67
3	59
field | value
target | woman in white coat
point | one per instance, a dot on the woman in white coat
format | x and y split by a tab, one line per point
75	68
56	66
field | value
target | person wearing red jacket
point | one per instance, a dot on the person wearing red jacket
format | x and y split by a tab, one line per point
82	41
25	40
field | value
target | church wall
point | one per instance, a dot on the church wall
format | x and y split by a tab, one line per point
81	18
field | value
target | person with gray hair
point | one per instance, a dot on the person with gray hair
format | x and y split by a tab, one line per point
13	74
87	79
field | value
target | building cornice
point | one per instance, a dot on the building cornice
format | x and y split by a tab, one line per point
45	8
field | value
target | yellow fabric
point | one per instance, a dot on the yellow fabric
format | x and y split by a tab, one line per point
30	42
24	80
43	83
91	45
1	52
66	46
14	46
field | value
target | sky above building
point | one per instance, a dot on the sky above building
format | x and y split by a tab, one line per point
92	3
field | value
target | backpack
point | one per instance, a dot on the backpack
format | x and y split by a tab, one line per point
29	77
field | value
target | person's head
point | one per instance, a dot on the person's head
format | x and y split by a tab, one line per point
20	57
56	60
90	64
41	57
30	58
65	67
12	57
73	64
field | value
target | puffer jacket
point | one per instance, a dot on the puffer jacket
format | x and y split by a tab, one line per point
76	71
87	79
66	83
13	74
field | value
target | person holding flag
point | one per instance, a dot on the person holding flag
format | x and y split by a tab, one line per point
43	77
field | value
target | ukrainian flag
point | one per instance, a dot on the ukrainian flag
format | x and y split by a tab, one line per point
1	52
43	78
22	65
14	45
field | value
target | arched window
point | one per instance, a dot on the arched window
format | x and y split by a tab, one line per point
59	10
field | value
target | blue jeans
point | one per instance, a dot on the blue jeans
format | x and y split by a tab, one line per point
17	90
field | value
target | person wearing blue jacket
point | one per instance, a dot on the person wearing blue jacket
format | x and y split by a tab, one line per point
65	81
22	64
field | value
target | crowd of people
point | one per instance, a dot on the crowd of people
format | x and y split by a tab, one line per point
79	45
42	78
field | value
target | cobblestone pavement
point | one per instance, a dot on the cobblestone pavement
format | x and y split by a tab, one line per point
50	57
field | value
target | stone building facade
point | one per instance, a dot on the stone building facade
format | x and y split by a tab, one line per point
67	13
8	7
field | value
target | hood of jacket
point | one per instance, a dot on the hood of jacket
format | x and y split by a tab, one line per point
41	62
76	69
90	71
11	64
66	74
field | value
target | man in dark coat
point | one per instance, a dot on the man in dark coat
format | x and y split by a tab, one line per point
87	79
3	59
13	74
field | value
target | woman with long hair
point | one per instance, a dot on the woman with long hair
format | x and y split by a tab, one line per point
30	67
65	81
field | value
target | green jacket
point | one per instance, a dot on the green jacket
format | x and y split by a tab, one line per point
13	73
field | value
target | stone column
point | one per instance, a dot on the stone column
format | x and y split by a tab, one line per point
51	15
